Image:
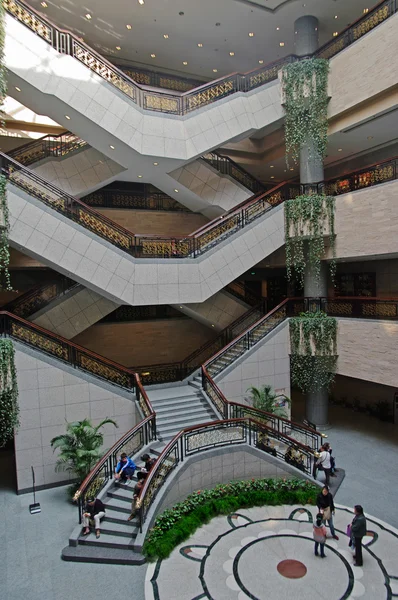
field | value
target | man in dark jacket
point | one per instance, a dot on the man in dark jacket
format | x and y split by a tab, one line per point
325	506
137	490
95	511
358	531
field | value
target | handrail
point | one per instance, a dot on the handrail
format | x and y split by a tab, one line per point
39	297
173	102
236	431
48	145
226	166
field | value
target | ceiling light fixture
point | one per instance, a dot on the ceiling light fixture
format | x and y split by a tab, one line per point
260	62
370	137
176	191
277	28
88	16
67	117
272	177
335	33
339	149
215	70
335	16
212	325
166	36
281	44
44	4
141	2
232	53
155	164
365	11
111	147
17	88
200	45
128	26
118	48
251	34
139	176
271	166
291	168
184	62
218	24
153	55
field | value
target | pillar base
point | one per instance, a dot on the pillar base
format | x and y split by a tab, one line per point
317	407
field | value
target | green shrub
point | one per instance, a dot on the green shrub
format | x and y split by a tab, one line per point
177	524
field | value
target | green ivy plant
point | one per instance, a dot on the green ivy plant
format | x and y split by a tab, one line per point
304	88
306	219
5	283
313	343
9	409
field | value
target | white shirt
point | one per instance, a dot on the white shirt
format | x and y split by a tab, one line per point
324	460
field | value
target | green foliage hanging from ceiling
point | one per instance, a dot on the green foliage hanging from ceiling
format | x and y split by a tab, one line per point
8	392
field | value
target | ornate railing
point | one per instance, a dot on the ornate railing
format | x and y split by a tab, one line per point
219	434
359	307
39	297
148	198
227	166
160	80
177	103
240	291
55	146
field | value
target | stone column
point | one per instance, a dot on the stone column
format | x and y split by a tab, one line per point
311	171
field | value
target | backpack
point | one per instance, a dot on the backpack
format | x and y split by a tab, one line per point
319	535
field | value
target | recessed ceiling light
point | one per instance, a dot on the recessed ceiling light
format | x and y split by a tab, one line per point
335	33
139	176
271	166
88	16
232	53
370	137
281	44
335	16
155	164
181	13
17	88
339	149
291	168
184	62
67	117
260	62
128	26
141	2
153	55
365	10
277	28
166	36
118	48
251	34
176	191
215	70
44	4
200	45
272	177
111	147
212	325
218	24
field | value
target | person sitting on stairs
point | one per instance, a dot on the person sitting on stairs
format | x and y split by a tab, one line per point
148	464
137	489
125	468
95	511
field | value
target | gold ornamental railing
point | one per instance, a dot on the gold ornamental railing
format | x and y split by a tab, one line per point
183	103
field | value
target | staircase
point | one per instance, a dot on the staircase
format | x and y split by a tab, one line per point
179	407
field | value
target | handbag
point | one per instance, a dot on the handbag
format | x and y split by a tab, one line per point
327	514
349	530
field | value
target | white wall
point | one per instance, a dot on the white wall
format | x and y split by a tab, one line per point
49	397
219	311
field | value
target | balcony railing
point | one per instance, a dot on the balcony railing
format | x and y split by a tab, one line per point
160	80
221	434
227	166
146	198
55	146
177	103
39	297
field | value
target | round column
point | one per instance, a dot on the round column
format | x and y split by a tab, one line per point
306	39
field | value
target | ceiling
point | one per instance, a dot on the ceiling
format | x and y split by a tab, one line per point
221	26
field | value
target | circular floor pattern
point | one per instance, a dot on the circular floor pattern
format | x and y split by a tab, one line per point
268	552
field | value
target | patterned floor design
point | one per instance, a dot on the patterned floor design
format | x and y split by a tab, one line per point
268	552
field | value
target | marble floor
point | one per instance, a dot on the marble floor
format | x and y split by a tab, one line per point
268	552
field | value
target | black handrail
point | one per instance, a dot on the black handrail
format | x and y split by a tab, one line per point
227	166
39	297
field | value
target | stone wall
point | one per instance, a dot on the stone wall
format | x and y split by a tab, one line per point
52	394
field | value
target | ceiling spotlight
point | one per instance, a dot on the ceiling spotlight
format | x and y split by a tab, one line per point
176	191
153	55
260	62
166	36
370	137
281	44
272	177
218	24
215	70
291	168
365	11
88	16
44	4
111	147
128	26
271	166
232	53
181	13
141	2
118	48
155	164
251	34
17	88
339	149
139	176
335	16
200	45
335	33
184	62
277	28
67	117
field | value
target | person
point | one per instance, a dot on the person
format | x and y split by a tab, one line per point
125	468
326	508
358	531
324	463
319	533
329	449
137	489
95	511
148	463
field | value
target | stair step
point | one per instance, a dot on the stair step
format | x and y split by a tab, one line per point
182	420
107	541
174	402
183	425
191	410
103	555
117	505
164	393
117	517
119	529
120	494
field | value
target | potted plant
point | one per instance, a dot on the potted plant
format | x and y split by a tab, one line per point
80	449
264	398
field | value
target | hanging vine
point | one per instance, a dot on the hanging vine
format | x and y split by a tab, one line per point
305	96
9	409
5	283
313	342
307	220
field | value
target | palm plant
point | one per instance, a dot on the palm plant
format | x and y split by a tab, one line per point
79	447
264	398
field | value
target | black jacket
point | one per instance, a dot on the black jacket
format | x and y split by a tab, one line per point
358	527
323	502
95	508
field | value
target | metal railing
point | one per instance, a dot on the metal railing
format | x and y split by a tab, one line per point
220	434
146	198
55	146
166	81
227	166
39	297
183	103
